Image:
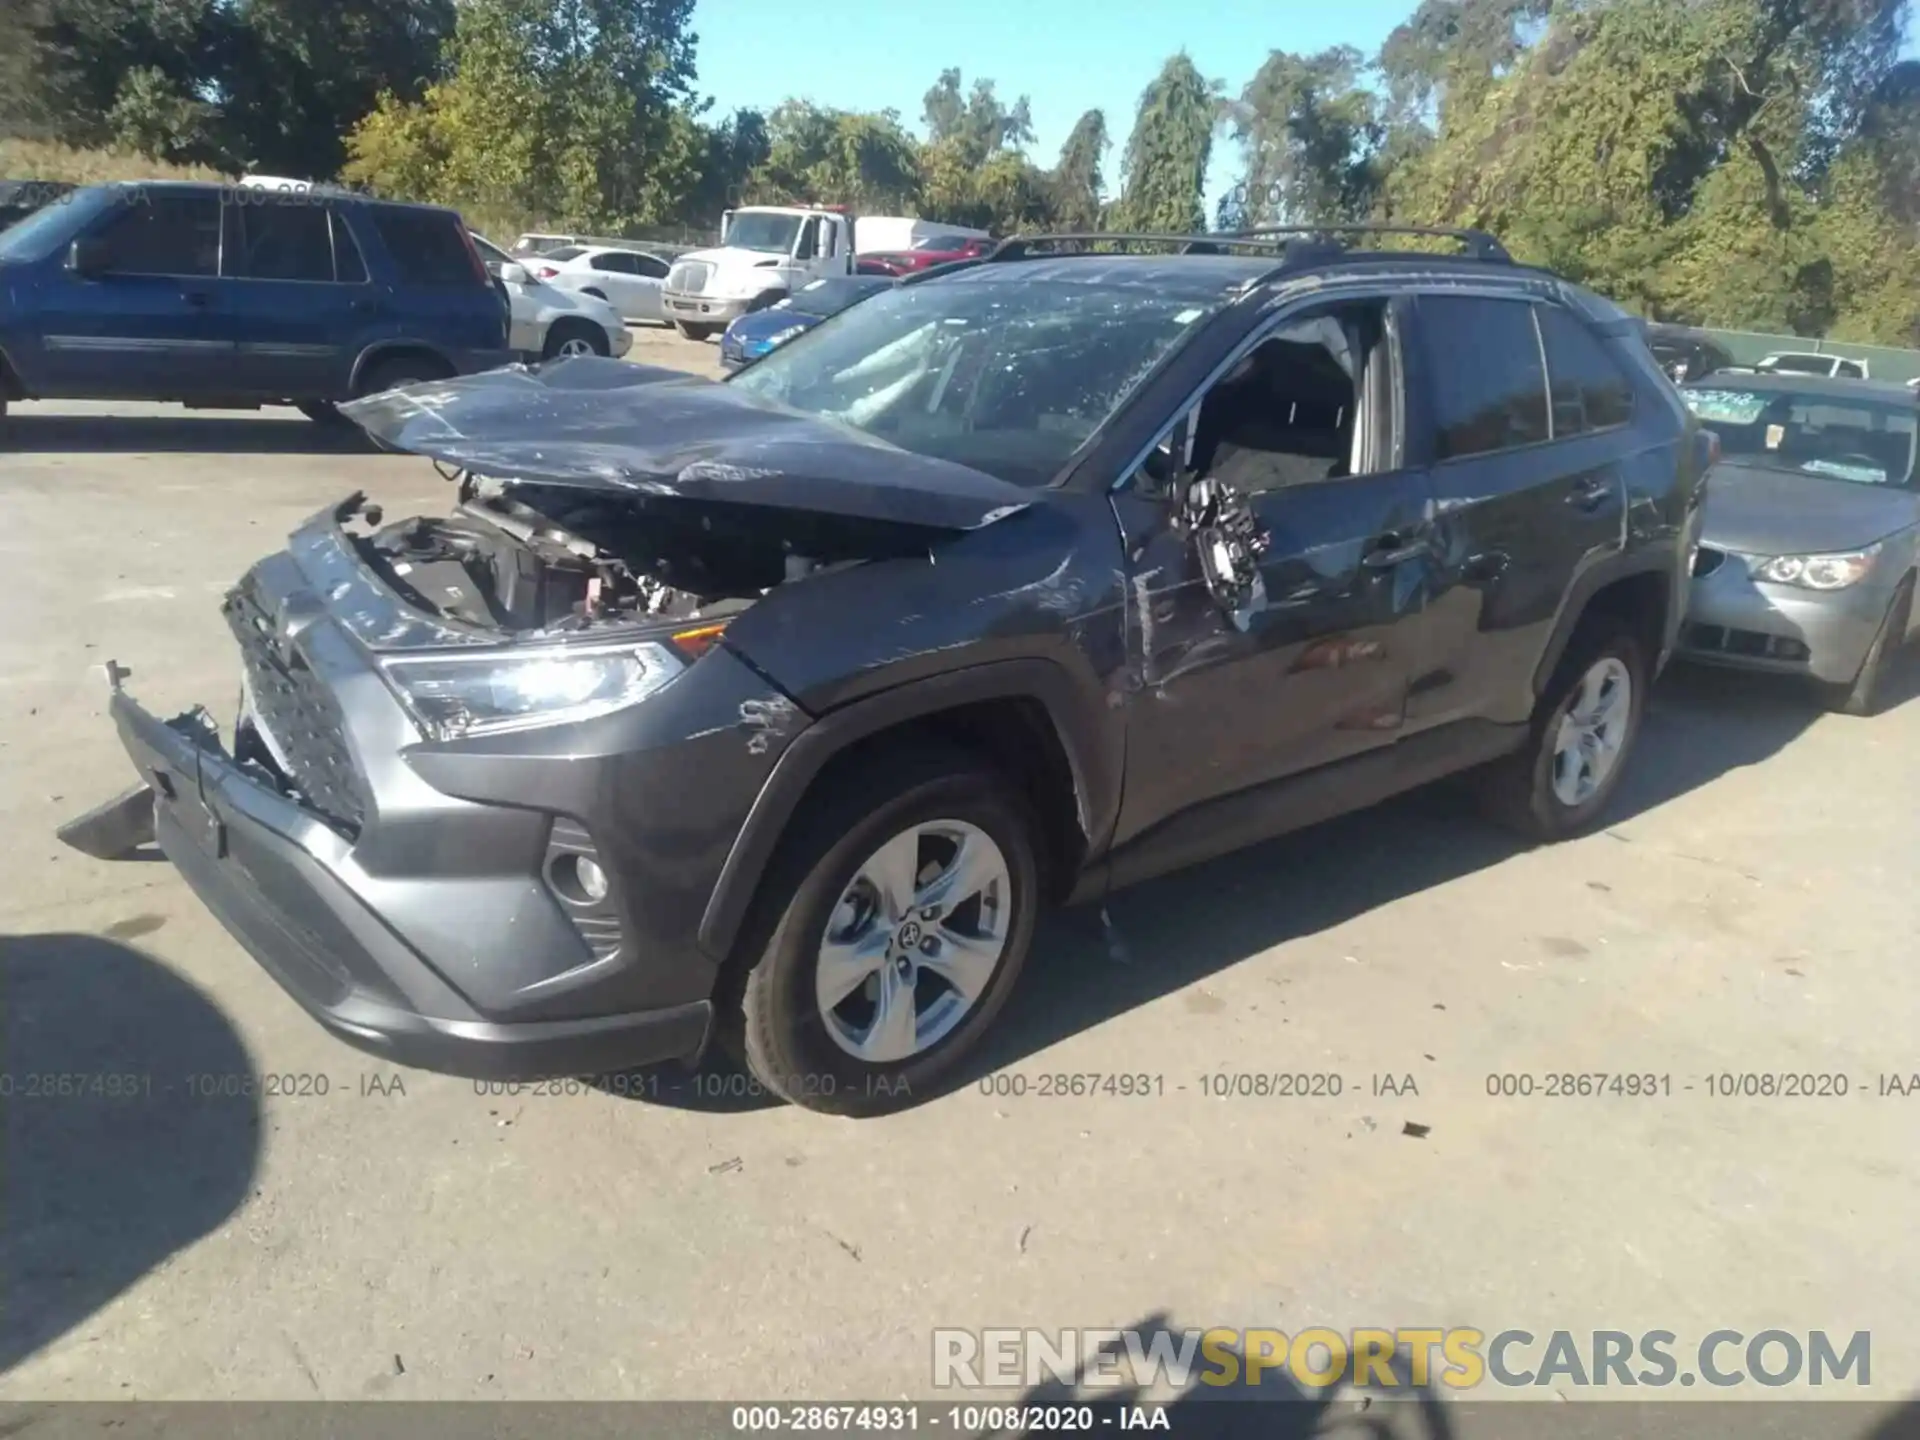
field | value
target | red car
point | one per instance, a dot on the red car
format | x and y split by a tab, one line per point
928	251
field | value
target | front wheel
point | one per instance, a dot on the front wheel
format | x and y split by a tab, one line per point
1583	729
905	909
1868	691
572	339
695	332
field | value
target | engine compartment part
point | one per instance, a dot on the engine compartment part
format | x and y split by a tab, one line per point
528	560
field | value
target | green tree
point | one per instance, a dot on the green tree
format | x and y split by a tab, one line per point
1310	134
1077	182
1166	157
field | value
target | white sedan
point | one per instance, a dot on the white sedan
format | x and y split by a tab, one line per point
631	280
551	324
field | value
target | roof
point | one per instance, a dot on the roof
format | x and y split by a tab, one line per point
1834	387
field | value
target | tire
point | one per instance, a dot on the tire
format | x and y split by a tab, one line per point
569	338
797	1045
1868	690
1533	792
321	412
695	332
391	375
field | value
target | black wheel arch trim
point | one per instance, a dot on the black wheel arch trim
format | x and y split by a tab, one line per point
1597	577
1096	776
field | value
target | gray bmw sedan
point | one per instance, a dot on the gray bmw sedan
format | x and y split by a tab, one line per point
1807	554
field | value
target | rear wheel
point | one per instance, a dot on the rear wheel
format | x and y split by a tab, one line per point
1582	730
391	374
695	332
898	919
321	412
570	339
1868	690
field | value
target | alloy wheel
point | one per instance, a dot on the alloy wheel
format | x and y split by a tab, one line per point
1592	732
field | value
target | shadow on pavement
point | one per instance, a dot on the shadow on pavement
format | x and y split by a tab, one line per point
278	433
109	1164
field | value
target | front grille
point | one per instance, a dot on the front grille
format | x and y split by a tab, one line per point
1750	644
689	277
1706	561
300	712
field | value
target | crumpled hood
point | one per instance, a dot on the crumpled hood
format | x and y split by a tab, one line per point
643	430
1760	509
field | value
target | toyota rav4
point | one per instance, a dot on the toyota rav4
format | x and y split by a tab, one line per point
775	709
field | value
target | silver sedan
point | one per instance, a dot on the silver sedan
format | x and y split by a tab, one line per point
1808	551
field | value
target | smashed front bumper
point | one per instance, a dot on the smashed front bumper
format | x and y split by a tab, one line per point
285	886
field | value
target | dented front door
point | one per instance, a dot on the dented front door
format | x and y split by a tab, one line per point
1228	692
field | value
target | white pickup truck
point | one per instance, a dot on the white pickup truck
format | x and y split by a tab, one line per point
767	252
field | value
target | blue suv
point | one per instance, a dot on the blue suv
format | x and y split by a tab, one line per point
229	296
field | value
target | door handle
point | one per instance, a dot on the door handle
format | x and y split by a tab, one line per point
1589	493
1393	549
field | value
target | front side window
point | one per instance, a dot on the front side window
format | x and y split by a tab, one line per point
1590	392
1008	376
1483	366
54	224
163	233
1859	441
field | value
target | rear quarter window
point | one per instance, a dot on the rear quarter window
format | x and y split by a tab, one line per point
426	247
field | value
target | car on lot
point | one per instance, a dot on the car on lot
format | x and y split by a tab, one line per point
549	323
20	198
1812	531
236	296
631	280
774	709
1685	353
752	336
929	251
1811	362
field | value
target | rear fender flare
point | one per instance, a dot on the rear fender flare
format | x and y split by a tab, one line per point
1096	775
382	349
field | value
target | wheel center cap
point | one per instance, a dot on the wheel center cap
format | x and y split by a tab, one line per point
909	935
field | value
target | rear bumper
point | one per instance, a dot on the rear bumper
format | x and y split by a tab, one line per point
1736	622
259	862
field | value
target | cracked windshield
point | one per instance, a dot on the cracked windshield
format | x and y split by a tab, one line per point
985	721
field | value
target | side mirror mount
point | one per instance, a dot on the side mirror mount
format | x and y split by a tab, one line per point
88	256
515	274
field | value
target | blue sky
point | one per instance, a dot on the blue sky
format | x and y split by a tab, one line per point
1068	56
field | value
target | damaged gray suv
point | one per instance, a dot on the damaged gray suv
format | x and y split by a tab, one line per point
775	709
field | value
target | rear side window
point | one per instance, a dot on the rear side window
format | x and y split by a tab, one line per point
1590	392
160	233
348	264
277	241
613	262
1483	363
426	246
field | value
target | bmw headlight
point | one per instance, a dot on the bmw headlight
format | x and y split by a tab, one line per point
453	694
1834	571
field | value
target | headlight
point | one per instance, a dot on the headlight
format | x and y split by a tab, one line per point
453	695
1815	572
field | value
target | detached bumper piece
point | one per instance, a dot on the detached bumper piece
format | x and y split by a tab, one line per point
262	863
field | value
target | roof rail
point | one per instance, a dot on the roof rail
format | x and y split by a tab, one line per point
1479	244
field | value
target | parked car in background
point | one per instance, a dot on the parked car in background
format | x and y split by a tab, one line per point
631	280
766	252
217	297
1686	353
1807	557
537	244
929	251
20	198
1810	362
752	336
776	710
549	322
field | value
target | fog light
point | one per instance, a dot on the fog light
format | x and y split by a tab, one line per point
579	878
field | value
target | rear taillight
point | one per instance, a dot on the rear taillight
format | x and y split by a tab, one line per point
544	272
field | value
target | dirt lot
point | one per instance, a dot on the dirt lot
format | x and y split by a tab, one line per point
1751	910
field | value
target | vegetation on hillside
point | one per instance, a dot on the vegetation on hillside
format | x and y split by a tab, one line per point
1742	163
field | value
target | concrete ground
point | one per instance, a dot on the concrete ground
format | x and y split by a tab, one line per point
1751	909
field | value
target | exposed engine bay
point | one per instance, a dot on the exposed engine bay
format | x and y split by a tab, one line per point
525	558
